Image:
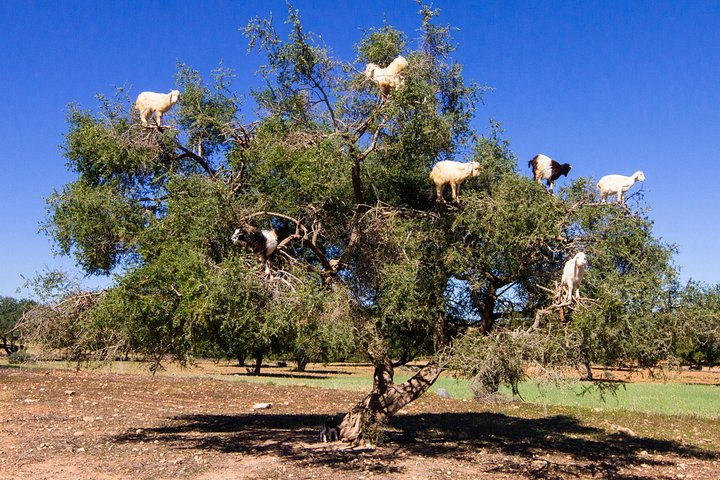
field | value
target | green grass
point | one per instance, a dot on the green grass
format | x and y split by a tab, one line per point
658	398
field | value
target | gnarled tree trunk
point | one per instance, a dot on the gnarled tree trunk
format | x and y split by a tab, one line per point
386	397
258	364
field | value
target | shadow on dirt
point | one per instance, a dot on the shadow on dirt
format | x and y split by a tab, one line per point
308	375
524	444
244	369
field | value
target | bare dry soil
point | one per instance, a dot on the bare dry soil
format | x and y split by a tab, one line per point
59	424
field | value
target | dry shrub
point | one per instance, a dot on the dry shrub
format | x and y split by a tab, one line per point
496	359
67	328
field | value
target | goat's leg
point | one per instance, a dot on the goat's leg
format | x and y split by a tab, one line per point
455	191
439	191
158	117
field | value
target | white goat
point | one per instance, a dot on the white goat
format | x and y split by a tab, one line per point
545	168
618	185
454	173
262	242
572	276
159	103
387	78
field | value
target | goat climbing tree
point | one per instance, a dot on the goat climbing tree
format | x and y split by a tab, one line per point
367	260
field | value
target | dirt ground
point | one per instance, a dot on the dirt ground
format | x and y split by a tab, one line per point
59	424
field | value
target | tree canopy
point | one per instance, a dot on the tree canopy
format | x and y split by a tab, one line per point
368	262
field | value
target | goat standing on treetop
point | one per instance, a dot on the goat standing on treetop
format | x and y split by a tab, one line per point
618	185
159	103
545	168
454	173
387	78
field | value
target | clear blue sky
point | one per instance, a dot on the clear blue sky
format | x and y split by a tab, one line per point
609	86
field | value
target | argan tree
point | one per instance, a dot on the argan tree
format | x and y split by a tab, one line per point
366	257
11	311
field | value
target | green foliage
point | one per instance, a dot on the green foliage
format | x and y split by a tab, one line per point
20	357
367	259
65	323
207	114
697	324
97	223
105	147
11	311
494	360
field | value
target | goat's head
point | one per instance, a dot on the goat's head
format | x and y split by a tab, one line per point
565	169
235	238
370	70
174	95
639	176
580	259
240	234
475	169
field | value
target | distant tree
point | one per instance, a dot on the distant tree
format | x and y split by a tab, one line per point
697	316
366	259
11	311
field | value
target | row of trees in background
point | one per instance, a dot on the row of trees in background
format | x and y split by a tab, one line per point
693	326
371	262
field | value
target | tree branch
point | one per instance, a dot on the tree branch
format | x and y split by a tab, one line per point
364	126
326	101
304	238
200	160
372	146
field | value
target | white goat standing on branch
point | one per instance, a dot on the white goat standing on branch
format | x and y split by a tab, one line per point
159	103
453	173
572	276
388	78
618	185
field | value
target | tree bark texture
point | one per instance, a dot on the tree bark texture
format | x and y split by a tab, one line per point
386	398
258	364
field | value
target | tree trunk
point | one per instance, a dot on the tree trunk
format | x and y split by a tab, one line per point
10	347
241	359
301	364
488	309
258	364
439	333
386	398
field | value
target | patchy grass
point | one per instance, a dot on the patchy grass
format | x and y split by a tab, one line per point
665	398
65	424
659	398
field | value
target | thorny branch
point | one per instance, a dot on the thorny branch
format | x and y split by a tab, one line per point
308	238
558	304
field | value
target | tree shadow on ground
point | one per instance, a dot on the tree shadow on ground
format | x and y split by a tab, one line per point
308	375
524	443
287	369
